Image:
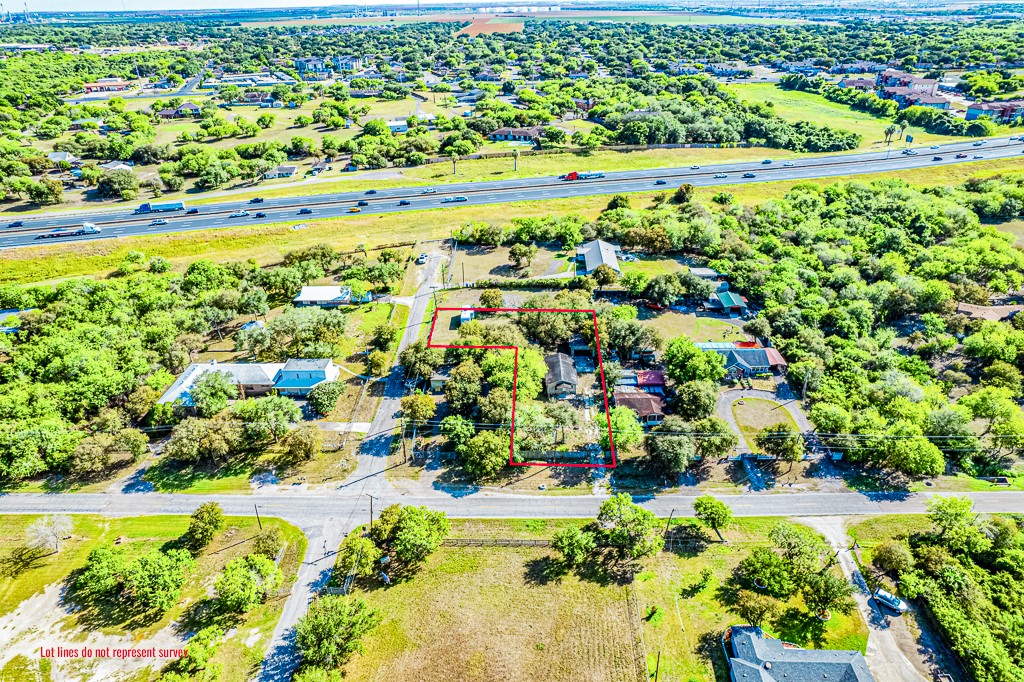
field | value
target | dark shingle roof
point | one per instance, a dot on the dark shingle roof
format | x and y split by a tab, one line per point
560	368
755	657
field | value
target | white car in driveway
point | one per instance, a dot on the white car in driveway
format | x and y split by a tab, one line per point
890	601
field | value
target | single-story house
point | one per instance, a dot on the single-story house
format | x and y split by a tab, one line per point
252	379
531	134
756	658
187	109
863	84
561	379
742	361
116	165
108	85
596	253
705	273
281	172
729	303
323	296
439	377
649	408
58	157
82	123
299	376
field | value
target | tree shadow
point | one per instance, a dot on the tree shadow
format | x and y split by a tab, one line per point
545	570
708	648
205	613
21	559
95	613
800	627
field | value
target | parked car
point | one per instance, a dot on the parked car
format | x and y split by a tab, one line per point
158	221
403	202
890	600
192	211
362	203
660	182
256	200
260	214
749	175
239	214
17	223
421	259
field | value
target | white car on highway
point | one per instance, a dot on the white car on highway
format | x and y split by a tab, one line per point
239	214
158	221
721	175
429	190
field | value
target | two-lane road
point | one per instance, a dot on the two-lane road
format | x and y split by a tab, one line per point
123	223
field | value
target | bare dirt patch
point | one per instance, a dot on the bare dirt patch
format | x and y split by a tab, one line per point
482	26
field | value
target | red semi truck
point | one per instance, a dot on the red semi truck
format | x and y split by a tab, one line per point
582	175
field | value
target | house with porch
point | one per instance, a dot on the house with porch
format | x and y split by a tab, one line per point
298	376
649	408
596	253
742	360
327	297
561	379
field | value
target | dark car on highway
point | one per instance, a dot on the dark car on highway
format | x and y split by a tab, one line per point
362	203
261	214
936	158
403	202
256	200
17	223
749	175
660	182
305	211
192	211
371	191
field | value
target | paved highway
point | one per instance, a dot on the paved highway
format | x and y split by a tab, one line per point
123	223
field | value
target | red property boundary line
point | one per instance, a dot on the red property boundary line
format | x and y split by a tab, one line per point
515	375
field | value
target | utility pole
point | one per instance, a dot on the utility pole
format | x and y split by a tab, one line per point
667	525
657	666
372	498
257	508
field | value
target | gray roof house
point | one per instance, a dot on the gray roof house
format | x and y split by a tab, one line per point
562	379
596	253
755	658
251	378
324	297
298	377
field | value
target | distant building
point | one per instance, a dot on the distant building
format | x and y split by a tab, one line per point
744	361
348	63
561	379
108	85
439	377
596	253
864	84
531	134
893	78
188	109
116	166
728	303
252	379
705	273
753	657
281	172
67	157
1005	111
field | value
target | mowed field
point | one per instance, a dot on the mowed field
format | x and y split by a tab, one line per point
794	105
668	18
485	26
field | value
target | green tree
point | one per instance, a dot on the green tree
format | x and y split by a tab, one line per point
153	581
103	571
420	361
378	363
521	255
265	120
756	609
669	449
305	442
633	531
781	441
359	554
332	630
626	429
267	417
463	387
485	454
457	430
696	400
491	298
324	396
824	592
268	542
384	334
417	533
201	648
246	582
713	437
212	391
418	407
574	544
206	521
605	275
683	193
713	513
685	362
768	571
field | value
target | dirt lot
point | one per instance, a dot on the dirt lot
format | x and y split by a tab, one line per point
484	26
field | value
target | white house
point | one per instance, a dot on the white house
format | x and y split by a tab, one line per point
328	297
298	377
116	165
281	172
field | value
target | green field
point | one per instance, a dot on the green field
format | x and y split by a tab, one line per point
753	415
26	575
670	19
513	614
794	105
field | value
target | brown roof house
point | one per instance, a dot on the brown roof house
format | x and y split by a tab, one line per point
649	408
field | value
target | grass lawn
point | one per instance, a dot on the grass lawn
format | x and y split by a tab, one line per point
475	263
794	105
512	614
871	531
756	414
1014	227
698	327
27	577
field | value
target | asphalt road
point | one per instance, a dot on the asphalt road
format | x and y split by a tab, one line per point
122	223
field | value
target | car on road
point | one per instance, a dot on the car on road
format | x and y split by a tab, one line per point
17	223
429	190
158	221
404	202
256	200
749	175
362	203
454	200
910	152
934	146
660	182
354	210
961	156
978	143
305	211
936	158
694	167
766	162
192	211
421	259
890	600
788	164
371	191
721	175
260	214
239	214
978	156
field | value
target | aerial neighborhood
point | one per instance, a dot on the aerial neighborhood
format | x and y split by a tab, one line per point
521	343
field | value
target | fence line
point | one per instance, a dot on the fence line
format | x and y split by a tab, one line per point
494	542
637	640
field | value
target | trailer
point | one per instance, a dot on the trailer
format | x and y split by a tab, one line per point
582	175
161	208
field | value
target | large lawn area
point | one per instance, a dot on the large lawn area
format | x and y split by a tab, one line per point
477	263
493	613
794	105
753	415
699	328
34	613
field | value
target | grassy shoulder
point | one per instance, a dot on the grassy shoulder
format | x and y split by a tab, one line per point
33	612
555	625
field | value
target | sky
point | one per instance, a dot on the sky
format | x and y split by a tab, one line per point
147	5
